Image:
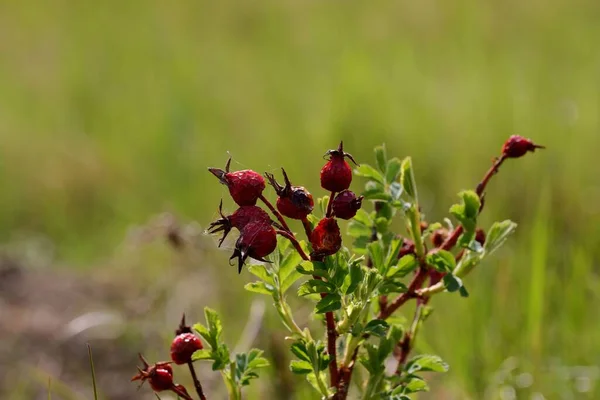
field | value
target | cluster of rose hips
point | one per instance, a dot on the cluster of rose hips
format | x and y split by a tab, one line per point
160	374
258	233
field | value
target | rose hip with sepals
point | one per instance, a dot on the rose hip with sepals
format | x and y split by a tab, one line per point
517	146
245	186
346	204
185	344
257	240
159	375
336	175
326	238
294	202
239	219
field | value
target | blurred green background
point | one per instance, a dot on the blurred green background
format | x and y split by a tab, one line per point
111	111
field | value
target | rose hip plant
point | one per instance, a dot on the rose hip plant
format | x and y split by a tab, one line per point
357	288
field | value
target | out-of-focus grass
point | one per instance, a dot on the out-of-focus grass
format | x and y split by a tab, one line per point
111	112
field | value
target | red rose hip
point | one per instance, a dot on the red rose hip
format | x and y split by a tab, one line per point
257	240
517	146
326	238
245	186
346	204
159	375
239	219
336	175
294	202
183	347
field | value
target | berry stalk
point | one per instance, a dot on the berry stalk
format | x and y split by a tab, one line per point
276	213
196	381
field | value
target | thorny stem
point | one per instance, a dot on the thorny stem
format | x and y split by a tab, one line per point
197	384
276	213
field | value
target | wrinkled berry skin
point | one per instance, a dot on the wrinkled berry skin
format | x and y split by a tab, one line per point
326	238
239	219
517	146
346	204
336	175
183	346
293	202
257	240
245	186
161	379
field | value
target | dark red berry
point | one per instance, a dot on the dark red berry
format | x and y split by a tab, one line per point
183	346
159	375
294	202
517	146
245	186
336	175
346	204
326	238
239	219
257	240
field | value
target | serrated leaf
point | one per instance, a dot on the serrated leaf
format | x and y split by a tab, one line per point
376	255
313	286
377	194
381	157
406	265
331	302
426	362
203	354
366	171
259	287
393	170
466	211
363	217
392	286
357	229
441	260
497	235
376	327
290	280
407	178
300	367
289	263
260	271
415	384
299	349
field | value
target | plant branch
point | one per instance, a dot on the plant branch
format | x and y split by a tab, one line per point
197	384
289	236
450	242
276	213
411	293
407	341
330	205
307	228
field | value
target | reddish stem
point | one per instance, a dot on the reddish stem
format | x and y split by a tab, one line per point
307	228
197	384
289	236
414	285
276	213
331	349
330	205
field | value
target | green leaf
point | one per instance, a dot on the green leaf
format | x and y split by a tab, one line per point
392	286
301	367
376	193
376	255
497	235
366	171
380	156
289	263
204	354
415	384
363	217
452	283
331	302
396	190
441	260
356	276
300	351
468	209
393	170
313	286
357	229
260	271
406	265
426	363
259	287
407	178
376	327
463	291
